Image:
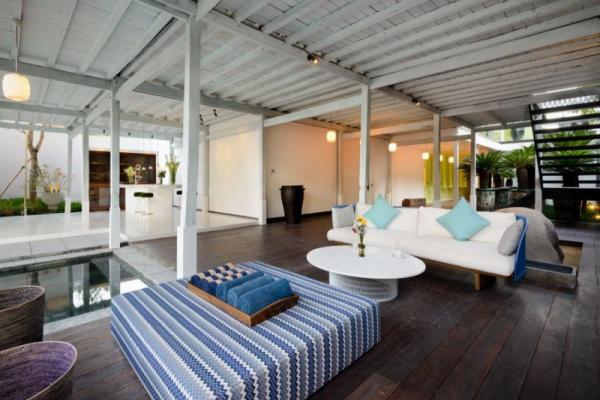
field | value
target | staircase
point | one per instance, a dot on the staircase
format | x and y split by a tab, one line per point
567	142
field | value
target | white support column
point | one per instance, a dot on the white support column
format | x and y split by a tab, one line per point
455	174
262	173
204	173
186	231
339	167
114	230
85	173
69	174
388	172
473	174
437	139
365	128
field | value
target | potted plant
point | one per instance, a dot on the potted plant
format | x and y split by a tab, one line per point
487	165
172	165
161	175
130	172
52	185
570	167
520	160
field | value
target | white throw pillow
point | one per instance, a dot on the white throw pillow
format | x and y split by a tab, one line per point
361	209
405	221
427	224
499	223
342	216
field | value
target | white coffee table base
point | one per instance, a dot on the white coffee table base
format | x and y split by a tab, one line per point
377	289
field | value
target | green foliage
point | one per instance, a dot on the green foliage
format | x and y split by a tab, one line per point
490	162
575	162
14	206
519	158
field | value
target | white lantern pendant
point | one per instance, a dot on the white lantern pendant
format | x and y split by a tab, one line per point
15	86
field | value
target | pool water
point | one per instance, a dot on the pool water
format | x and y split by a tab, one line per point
77	288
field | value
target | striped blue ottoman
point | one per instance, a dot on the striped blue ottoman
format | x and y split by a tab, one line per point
181	347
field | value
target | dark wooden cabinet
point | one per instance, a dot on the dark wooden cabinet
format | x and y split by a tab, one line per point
100	175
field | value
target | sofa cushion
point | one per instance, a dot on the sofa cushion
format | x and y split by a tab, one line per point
382	213
479	256
499	222
427	224
342	216
462	222
362	209
342	235
510	239
405	221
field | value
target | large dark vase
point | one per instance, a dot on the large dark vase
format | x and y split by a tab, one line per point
498	181
568	209
37	371
531	177
485	180
21	316
292	197
523	178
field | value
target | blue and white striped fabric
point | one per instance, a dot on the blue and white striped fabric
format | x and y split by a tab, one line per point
182	347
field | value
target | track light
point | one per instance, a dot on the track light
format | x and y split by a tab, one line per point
312	58
215	112
201	119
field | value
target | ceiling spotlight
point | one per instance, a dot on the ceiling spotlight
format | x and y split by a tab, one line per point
201	119
103	130
312	58
128	133
215	112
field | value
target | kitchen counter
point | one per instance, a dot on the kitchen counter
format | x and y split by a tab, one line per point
161	203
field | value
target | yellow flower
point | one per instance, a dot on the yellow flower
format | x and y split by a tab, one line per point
361	220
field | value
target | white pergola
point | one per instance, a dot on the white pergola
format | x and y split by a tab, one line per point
384	68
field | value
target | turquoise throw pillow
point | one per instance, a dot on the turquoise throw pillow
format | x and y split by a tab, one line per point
382	213
462	222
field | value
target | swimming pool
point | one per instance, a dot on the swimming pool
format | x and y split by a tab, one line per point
78	287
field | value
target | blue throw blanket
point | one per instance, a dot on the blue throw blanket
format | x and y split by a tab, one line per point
223	288
257	299
234	294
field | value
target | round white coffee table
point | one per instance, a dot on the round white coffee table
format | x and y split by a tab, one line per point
375	276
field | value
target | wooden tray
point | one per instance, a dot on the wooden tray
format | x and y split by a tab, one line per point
248	320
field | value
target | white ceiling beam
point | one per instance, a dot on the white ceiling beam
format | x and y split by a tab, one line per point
161	20
301	8
256	36
19	125
108	28
327	20
387	40
55	74
389	63
153	67
66	13
248	74
491	53
204	7
276	82
10	105
249	8
187	7
162	6
364	23
314	111
520	101
238	62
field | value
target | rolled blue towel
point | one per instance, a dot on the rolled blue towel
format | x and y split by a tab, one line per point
224	287
234	294
198	282
257	299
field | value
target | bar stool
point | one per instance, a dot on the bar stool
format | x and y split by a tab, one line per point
146	196
138	196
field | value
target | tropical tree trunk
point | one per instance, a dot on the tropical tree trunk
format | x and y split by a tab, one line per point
485	180
34	169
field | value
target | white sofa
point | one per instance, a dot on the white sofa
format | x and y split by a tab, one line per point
415	231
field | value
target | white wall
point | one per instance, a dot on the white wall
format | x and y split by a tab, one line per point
234	170
54	153
407	172
299	154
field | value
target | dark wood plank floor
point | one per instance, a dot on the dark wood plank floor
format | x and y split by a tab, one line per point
441	339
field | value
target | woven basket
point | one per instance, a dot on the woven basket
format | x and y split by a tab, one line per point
21	316
40	371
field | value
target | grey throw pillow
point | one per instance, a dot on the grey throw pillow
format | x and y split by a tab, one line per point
510	239
342	216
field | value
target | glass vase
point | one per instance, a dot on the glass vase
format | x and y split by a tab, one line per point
361	249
